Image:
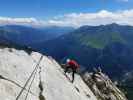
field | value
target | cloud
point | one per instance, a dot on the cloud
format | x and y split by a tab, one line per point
123	0
20	21
98	18
103	17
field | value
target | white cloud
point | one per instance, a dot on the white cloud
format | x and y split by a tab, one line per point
76	19
98	18
20	21
123	0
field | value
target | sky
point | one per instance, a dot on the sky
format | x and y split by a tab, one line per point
65	12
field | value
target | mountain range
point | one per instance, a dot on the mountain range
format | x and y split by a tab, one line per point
29	35
107	46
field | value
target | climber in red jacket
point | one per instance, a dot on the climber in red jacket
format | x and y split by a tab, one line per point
73	65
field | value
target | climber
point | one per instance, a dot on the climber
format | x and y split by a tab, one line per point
73	65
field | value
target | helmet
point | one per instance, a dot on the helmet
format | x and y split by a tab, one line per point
68	60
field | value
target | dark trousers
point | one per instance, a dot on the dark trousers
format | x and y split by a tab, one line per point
73	72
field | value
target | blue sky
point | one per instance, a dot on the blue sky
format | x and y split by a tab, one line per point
66	12
46	9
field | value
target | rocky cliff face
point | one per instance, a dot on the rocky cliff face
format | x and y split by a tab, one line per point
103	87
47	82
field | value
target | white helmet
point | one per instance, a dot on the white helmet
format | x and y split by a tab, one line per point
68	60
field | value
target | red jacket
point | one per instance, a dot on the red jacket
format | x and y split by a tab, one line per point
73	64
